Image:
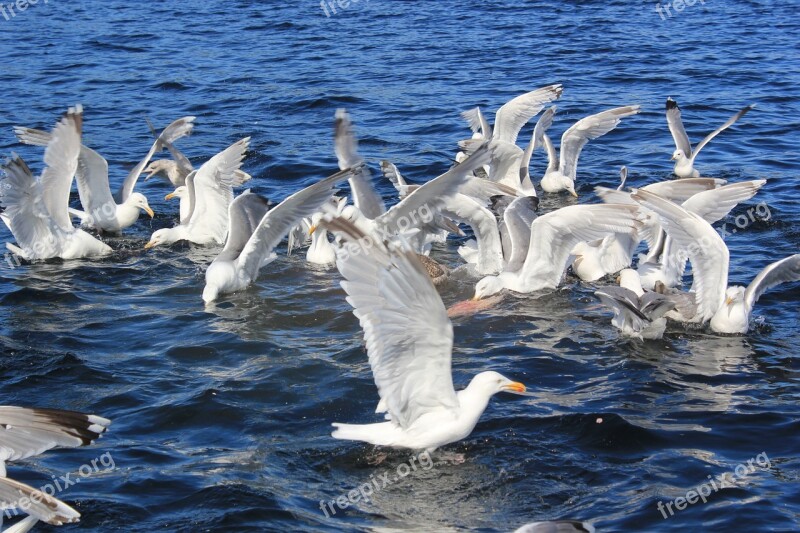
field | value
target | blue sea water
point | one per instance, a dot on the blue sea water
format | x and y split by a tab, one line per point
221	416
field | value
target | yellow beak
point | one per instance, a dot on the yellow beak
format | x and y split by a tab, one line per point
170	196
149	245
515	386
149	212
573	193
476	298
673	158
312	229
728	301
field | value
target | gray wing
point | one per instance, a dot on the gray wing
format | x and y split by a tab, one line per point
365	197
586	129
431	195
722	128
656	305
184	164
179	128
244	215
676	128
282	218
518	217
619	298
782	271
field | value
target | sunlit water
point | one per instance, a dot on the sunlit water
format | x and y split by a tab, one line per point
221	416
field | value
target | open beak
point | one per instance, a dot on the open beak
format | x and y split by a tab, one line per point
170	196
149	245
149	211
312	229
516	388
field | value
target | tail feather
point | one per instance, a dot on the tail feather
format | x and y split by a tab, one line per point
380	434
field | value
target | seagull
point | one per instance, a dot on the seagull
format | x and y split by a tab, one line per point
712	205
508	158
36	211
255	232
409	342
25	432
553	236
213	194
100	208
734	315
562	168
637	313
175	169
683	155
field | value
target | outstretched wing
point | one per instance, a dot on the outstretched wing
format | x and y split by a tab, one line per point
244	215
676	128
365	197
24	211
61	158
586	129
515	113
282	218
27	432
477	122
722	128
554	235
408	335
213	186
782	271
420	206
179	128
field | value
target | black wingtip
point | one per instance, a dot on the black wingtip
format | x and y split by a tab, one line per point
671	104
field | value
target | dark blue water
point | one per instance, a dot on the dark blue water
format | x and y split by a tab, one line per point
221	417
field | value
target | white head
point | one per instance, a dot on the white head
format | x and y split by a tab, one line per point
678	155
488	383
139	201
488	286
162	236
734	295
158	167
179	193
